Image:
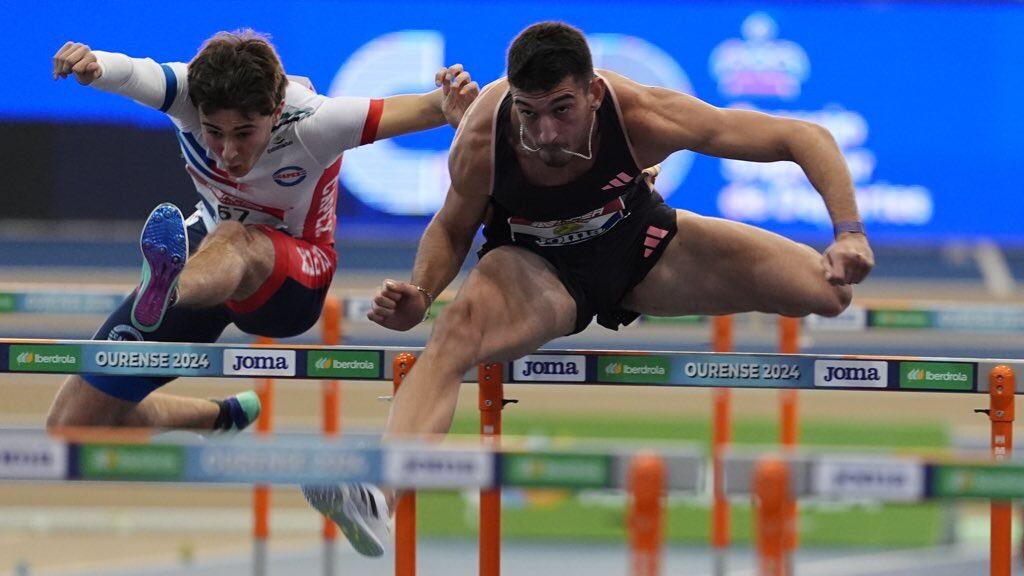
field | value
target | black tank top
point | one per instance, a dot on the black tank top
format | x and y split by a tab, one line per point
568	214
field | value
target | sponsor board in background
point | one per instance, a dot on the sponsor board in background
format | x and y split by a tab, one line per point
407	467
981	319
131	462
556	470
344	364
644	369
33	458
853	319
851	374
911	319
59	358
682	320
550	368
874	479
259	362
67	303
937	375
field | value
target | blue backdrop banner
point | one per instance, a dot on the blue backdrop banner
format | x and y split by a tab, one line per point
923	98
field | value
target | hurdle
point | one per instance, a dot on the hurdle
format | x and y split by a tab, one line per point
573	367
866	315
789	432
106	456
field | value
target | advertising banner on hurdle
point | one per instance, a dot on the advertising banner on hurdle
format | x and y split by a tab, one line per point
282	463
144	462
1002	481
156	359
870	478
743	371
556	470
31	457
424	467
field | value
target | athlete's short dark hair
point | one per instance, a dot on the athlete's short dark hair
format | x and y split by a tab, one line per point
237	71
545	53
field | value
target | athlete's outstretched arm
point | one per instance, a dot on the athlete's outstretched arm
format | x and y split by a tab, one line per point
413	113
140	79
449	236
665	121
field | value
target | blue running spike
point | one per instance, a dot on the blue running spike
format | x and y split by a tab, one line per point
164	253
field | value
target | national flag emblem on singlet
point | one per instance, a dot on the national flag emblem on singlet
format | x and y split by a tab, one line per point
569	231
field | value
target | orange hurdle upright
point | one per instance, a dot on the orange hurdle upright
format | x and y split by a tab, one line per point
721	436
261	492
330	322
405	511
789	418
646	516
492	399
771	514
1002	386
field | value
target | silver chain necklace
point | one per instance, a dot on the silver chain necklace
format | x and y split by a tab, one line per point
590	142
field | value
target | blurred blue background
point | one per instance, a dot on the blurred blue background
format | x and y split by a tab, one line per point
922	97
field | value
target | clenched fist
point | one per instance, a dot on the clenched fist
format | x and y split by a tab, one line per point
78	59
848	260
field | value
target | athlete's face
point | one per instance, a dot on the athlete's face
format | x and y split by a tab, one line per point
237	140
559	119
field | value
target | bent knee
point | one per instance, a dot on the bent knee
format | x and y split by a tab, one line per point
79	404
459	323
228	230
836	301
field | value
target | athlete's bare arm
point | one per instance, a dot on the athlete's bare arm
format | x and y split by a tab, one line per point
448	237
662	121
413	113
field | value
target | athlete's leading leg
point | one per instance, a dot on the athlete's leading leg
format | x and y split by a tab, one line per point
716	266
231	264
511	304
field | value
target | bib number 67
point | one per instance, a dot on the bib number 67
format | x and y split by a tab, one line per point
232	213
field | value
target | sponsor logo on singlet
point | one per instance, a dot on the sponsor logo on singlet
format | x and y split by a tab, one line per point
279	142
570	231
290	175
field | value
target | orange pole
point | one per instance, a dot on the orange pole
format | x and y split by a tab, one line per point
721	436
1002	386
492	399
789	408
646	516
330	323
405	512
771	500
261	492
